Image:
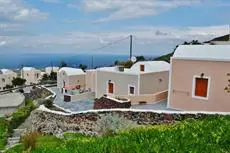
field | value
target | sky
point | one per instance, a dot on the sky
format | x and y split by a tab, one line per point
84	26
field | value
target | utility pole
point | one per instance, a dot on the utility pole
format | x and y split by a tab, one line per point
92	62
229	34
131	47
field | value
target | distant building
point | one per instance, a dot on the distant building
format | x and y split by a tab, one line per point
48	70
6	77
200	78
70	79
10	103
32	75
144	82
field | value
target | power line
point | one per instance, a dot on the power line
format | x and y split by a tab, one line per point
113	43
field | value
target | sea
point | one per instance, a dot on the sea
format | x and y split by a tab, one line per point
39	60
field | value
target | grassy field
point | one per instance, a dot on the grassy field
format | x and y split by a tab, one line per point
209	135
3	133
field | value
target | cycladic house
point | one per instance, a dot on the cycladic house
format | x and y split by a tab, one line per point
31	75
200	78
6	77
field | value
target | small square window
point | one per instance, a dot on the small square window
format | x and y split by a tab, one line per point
131	90
142	67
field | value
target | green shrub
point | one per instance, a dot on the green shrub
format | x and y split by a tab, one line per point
29	140
3	132
21	114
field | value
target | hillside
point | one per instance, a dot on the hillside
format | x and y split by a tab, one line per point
210	134
165	57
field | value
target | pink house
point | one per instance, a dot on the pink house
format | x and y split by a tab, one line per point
200	78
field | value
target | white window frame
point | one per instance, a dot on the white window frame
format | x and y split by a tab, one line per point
129	90
107	87
194	87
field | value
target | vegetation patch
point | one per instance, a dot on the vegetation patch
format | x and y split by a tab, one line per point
21	114
3	132
210	134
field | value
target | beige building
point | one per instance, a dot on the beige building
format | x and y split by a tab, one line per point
48	70
6	77
32	75
200	78
70	79
144	82
91	80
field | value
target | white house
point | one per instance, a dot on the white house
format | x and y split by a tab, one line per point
6	77
144	82
70	79
32	75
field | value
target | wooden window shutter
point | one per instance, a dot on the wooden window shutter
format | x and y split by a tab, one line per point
142	67
201	89
110	86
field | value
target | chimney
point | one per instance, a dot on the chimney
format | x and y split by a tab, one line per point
121	68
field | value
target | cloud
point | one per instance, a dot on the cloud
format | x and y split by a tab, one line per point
2	43
17	11
146	39
128	9
51	1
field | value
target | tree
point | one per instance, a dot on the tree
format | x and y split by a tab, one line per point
53	76
63	64
8	86
140	58
83	67
45	77
116	62
18	82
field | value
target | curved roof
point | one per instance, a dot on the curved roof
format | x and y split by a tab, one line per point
72	71
28	68
151	66
203	52
5	71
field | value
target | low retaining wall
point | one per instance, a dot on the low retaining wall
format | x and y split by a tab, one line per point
53	122
109	103
148	98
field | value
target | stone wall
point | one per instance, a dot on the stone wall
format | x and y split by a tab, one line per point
108	103
52	122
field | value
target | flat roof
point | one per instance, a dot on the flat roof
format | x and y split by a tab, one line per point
72	71
11	100
150	67
203	52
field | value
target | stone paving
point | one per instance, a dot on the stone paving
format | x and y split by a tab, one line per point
88	105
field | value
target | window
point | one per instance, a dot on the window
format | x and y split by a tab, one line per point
142	67
131	90
3	80
201	87
110	88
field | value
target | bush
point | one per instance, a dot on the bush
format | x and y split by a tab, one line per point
29	140
21	114
111	125
3	132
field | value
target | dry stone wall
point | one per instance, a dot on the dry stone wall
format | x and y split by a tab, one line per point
51	122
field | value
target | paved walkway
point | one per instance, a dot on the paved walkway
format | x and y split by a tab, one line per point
72	106
88	105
